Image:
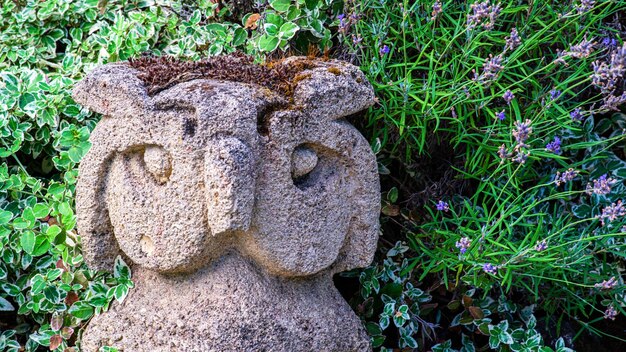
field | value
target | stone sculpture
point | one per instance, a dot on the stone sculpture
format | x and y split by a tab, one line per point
234	204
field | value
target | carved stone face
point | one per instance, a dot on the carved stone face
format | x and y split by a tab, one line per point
174	180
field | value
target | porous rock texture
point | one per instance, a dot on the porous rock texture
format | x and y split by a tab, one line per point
234	203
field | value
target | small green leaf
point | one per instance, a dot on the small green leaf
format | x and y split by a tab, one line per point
120	269
274	18
494	342
373	328
398	320
52	294
71	110
12	290
377	341
288	30
280	5
41	246
6	306
120	293
81	310
27	241
54	274
389	308
268	43
270	29
52	232
40	210
240	36
293	13
5	217
56	33
311	4
20	223
27	102
75	154
505	338
392	195
384	321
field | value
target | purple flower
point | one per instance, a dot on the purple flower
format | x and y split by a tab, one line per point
541	246
520	157
503	153
567	176
554	146
343	24
508	96
601	186
604	77
612	212
613	102
384	50
610	313
576	115
463	244
581	50
555	94
491	68
521	132
490	269
607	284
607	74
436	9
356	40
501	115
484	14
443	206
609	42
585	6
513	41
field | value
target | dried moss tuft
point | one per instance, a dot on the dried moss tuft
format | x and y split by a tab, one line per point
160	73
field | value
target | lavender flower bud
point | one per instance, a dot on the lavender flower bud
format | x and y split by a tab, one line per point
443	206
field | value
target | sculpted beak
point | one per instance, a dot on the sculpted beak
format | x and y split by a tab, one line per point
230	180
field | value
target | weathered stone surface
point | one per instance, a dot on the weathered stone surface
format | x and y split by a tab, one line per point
234	205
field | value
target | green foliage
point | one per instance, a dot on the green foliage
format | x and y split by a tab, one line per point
309	19
443	133
477	183
46	291
389	301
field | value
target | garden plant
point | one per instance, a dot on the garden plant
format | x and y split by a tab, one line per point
499	132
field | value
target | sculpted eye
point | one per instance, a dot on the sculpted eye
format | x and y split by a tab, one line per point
158	163
304	161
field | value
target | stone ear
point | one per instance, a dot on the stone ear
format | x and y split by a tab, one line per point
112	90
362	237
98	241
332	90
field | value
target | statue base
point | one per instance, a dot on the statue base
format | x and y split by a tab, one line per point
230	305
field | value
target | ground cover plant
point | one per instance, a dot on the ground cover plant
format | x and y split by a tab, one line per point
46	291
499	135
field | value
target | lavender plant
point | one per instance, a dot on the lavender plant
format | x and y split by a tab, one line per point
500	123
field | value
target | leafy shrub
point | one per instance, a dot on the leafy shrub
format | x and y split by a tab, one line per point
498	124
390	296
46	291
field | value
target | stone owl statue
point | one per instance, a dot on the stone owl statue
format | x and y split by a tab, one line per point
234	203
